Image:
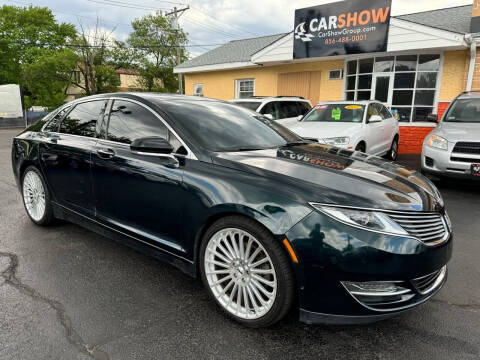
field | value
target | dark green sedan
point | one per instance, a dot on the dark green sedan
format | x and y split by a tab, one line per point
267	219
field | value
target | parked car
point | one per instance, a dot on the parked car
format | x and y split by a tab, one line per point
284	109
365	126
264	217
453	148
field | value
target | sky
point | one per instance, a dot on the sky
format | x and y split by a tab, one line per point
208	23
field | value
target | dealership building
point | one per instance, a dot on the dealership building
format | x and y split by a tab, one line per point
417	65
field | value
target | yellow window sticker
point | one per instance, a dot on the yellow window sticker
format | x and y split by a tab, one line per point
353	107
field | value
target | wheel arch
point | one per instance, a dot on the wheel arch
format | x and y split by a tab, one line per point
223	211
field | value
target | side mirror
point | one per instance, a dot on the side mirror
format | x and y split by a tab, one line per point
375	118
269	116
151	145
299	117
432	118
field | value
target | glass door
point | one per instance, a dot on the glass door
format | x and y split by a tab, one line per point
382	85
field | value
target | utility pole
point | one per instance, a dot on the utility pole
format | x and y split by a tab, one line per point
176	27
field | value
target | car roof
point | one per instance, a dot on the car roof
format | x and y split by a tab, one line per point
270	98
363	102
469	95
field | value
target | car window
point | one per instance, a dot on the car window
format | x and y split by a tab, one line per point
464	110
385	112
335	113
288	109
272	109
82	120
54	122
303	107
373	110
130	121
218	126
252	105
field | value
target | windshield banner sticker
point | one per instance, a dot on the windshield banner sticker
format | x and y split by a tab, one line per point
346	27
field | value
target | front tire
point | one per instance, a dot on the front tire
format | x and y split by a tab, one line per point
246	272
36	197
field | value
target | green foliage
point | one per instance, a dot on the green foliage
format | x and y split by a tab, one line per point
29	36
156	51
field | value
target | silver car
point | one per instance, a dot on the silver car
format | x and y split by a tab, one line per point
453	148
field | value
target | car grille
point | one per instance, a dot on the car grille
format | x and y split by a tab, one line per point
467	148
467	160
430	228
410	293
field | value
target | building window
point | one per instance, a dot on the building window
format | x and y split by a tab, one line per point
244	88
335	75
405	83
198	90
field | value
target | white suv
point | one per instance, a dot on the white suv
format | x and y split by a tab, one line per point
366	126
284	109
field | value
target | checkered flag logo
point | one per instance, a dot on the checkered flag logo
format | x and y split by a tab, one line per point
301	34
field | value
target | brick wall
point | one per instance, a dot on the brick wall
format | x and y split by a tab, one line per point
442	107
411	139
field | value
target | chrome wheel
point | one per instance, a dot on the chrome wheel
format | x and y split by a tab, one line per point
240	273
34	195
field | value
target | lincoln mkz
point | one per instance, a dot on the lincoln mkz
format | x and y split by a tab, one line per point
264	217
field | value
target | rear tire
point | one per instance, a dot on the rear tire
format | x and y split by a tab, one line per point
36	197
246	271
393	152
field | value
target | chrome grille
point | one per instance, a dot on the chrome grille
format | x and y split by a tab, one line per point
467	148
431	228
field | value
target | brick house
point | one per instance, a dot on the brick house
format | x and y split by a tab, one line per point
429	60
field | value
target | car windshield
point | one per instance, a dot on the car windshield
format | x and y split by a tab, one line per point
219	126
252	105
335	113
464	110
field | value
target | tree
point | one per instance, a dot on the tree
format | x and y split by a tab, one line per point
30	38
97	61
156	52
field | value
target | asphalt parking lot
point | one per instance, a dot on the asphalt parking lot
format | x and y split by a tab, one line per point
68	293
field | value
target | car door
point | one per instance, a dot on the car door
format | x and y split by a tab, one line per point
375	129
391	126
137	193
65	154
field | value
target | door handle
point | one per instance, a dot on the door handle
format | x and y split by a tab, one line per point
105	153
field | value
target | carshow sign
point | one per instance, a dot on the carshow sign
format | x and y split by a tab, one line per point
346	27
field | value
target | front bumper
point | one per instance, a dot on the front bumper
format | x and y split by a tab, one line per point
448	163
331	253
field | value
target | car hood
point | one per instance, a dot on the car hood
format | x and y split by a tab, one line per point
454	132
324	174
321	130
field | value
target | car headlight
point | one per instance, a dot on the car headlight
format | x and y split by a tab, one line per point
337	141
365	219
438	142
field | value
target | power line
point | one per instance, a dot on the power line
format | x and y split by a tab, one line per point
125	5
233	26
80	46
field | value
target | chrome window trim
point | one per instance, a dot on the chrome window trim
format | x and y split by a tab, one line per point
430	244
190	155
